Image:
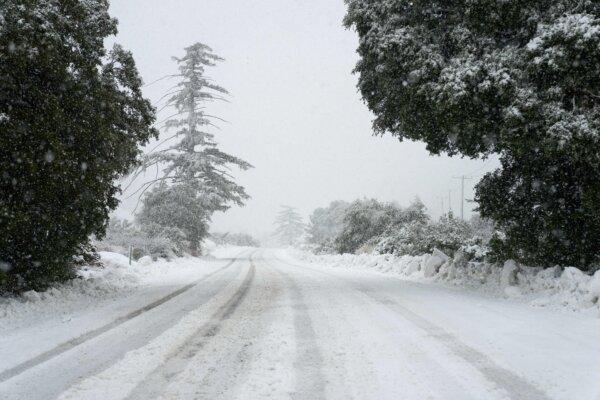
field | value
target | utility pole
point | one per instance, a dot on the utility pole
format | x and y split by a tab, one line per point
462	194
442	200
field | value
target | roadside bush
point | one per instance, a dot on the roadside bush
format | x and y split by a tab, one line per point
152	240
367	222
448	234
364	222
417	237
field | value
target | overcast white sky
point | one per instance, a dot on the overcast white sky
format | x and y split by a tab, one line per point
295	112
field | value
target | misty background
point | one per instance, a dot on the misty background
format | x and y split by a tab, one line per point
294	110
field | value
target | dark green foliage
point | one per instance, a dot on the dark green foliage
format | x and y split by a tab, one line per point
547	203
71	119
518	78
474	77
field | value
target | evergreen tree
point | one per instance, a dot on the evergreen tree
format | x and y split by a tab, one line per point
195	170
71	119
518	78
289	226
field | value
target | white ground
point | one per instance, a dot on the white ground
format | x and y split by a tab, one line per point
270	325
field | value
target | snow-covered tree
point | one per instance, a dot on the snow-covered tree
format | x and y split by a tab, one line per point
326	223
518	78
195	172
72	116
175	207
415	212
364	222
368	222
289	226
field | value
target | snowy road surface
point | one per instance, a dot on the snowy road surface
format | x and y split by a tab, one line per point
261	326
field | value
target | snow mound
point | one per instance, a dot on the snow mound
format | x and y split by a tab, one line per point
113	279
569	289
508	276
94	283
146	260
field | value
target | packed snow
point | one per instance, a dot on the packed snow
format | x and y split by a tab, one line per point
287	324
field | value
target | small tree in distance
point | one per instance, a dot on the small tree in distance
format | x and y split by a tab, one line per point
289	226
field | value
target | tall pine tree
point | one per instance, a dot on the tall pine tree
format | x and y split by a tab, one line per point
195	170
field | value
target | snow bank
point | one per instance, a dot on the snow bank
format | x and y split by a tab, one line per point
115	279
566	289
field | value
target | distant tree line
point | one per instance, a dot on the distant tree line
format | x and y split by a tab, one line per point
235	239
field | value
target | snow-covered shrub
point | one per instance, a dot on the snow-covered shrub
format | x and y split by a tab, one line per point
164	241
367	222
170	211
417	237
152	240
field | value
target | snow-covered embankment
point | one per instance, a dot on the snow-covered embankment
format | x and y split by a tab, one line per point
567	288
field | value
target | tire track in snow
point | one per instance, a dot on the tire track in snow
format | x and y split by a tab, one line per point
310	382
516	387
178	360
238	363
70	344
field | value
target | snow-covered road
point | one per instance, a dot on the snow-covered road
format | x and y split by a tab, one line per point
262	326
